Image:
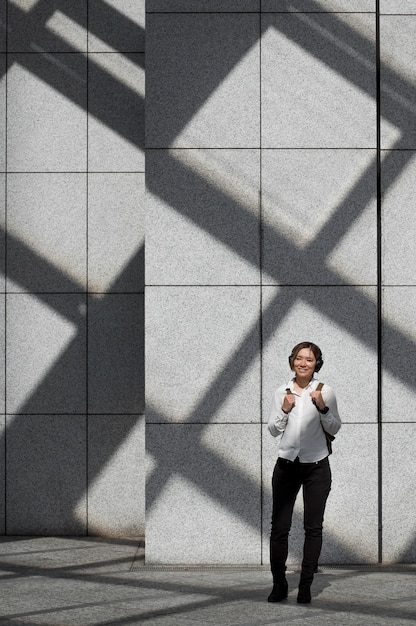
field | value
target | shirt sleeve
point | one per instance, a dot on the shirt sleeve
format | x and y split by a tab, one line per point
330	421
277	419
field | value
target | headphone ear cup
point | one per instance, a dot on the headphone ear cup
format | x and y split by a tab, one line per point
290	361
318	365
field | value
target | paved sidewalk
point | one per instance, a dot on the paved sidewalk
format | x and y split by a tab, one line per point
92	582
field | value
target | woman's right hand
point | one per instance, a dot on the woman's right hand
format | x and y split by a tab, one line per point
288	402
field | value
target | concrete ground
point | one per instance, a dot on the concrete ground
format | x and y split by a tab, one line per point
84	581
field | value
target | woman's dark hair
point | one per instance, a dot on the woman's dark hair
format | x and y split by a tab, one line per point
311	346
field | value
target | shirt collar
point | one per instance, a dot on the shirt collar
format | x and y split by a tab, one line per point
312	384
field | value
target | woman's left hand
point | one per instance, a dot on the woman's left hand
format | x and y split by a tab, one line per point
317	399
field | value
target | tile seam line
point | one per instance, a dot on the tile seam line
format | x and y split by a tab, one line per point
80	292
5	273
77	172
86	290
258	148
75	413
264	423
379	294
283	286
80	51
265	12
260	259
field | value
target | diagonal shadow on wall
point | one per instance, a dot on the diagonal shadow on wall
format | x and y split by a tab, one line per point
216	73
165	170
83	379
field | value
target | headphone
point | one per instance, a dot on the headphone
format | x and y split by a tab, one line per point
319	360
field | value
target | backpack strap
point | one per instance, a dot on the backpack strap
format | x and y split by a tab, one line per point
329	438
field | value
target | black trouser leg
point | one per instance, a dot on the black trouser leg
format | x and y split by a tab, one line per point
316	488
286	484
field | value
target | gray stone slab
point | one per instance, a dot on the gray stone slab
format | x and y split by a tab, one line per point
202	354
33	26
202	217
2	475
203	489
326	96
399	340
45	353
319	216
331	317
398	79
197	6
3	29
46	113
116	476
116	25
79	554
116	354
353	498
49	581
2	113
203	79
319	6
116	112
399	7
2	349
47	232
2	231
398	170
115	233
399	499
45	464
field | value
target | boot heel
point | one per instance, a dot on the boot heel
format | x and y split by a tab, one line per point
279	592
304	594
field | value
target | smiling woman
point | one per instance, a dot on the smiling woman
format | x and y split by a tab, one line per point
302	412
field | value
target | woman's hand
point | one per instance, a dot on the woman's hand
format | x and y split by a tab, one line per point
318	400
288	402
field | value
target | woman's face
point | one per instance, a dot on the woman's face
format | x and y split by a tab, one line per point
304	363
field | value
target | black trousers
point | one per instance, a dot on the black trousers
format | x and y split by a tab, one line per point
288	478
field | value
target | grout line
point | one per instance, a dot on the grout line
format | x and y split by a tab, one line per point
81	413
80	292
76	52
5	271
265	12
379	291
287	148
87	284
79	172
272	285
261	294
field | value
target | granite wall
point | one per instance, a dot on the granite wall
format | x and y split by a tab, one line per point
280	141
281	164
72	211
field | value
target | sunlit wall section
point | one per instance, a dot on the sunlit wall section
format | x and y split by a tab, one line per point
74	167
203	433
261	230
319	210
398	104
2	244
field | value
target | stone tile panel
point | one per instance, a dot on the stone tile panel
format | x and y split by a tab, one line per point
202	354
202	221
46	475
203	489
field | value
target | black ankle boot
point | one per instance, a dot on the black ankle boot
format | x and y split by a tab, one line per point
279	591
304	593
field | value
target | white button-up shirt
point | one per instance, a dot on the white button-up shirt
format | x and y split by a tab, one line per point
301	429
